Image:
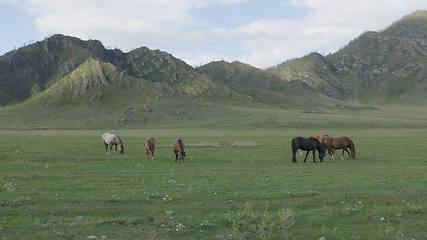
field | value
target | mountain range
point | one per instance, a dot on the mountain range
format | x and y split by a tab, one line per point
376	67
65	79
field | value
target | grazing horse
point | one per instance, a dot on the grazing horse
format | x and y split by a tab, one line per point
178	148
307	144
321	140
113	139
150	145
343	143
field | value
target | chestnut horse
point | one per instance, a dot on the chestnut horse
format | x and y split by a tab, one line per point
178	148
113	139
321	140
343	143
307	144
150	145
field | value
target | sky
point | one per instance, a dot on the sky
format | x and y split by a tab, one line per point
262	33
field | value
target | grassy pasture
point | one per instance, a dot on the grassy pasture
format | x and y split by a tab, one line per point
237	184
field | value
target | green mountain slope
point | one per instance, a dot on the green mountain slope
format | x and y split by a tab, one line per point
90	78
376	67
34	68
379	67
156	66
263	87
114	88
161	67
29	70
314	70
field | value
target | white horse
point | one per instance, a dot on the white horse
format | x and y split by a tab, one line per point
113	139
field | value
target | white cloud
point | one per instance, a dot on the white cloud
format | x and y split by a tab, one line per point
170	26
329	25
126	24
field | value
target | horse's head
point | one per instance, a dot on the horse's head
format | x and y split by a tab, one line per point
182	156
121	149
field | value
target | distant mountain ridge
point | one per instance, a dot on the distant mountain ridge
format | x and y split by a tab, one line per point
34	68
377	67
67	73
62	67
83	80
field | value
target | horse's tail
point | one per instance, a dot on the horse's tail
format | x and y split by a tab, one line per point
294	145
352	149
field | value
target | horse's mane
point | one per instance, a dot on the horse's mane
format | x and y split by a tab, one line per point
120	140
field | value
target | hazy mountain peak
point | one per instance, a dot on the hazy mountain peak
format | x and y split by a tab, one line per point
413	25
419	14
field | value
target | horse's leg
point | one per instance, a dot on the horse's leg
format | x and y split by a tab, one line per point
106	147
342	153
348	153
115	147
314	156
111	147
331	153
306	155
176	156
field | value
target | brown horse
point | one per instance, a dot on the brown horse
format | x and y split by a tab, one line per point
150	145
178	148
343	143
320	138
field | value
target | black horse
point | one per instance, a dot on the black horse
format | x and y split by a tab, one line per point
307	144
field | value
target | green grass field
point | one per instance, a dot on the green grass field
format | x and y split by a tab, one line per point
237	184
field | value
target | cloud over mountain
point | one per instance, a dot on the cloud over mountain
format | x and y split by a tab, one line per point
323	25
